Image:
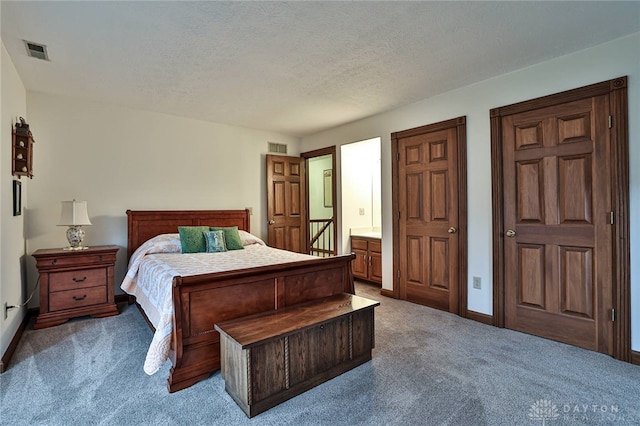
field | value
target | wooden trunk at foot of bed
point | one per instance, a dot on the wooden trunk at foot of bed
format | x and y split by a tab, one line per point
203	300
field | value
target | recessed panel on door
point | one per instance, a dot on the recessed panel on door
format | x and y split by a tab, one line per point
279	205
439	196
415	261
294	199
439	263
576	282
531	275
575	189
530	202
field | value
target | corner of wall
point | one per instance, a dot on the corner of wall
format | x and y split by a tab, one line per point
13	99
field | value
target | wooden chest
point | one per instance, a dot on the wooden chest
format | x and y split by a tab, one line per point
270	357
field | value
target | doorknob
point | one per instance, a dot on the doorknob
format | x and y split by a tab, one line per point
271	222
452	230
511	233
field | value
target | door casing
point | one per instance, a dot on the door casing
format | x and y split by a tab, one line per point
331	150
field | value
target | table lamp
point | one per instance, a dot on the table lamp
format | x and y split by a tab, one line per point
74	215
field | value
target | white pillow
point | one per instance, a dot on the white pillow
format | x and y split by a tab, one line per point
248	238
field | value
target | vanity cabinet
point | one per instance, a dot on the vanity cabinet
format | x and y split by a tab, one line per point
368	262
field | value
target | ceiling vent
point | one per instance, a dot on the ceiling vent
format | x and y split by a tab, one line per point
36	50
279	148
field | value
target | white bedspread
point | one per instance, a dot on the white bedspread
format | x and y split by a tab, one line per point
155	263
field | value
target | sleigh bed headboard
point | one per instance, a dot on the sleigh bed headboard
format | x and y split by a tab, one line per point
144	224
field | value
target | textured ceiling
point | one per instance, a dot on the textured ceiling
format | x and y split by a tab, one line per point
291	67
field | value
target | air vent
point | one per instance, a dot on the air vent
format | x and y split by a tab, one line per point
280	148
36	50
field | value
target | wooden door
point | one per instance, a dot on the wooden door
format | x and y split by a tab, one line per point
286	203
557	223
430	225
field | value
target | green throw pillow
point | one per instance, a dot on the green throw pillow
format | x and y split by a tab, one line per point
215	241
192	238
231	237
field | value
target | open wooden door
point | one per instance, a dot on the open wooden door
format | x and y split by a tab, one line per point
286	205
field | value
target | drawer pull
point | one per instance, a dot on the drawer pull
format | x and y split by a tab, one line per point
79	280
76	298
54	261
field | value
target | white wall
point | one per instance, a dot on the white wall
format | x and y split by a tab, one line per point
316	168
117	159
12	244
599	63
360	185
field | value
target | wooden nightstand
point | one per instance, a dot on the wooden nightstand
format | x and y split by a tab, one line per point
74	283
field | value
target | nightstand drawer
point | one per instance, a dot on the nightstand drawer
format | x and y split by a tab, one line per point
77	260
60	281
70	299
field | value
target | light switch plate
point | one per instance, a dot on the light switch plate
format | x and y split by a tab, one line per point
477	283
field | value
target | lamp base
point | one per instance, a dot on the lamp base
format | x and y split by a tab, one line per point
75	235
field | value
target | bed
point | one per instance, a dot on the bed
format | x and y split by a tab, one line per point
199	301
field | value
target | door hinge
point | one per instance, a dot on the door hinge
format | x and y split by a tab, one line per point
397	156
398	273
612	218
610	122
613	314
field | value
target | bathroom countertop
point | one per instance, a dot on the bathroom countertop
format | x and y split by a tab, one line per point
367	234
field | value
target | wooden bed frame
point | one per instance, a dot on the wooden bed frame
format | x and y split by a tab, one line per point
200	301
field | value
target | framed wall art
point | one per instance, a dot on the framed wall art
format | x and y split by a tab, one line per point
17	198
328	186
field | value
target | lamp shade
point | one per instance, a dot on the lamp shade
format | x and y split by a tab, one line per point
74	213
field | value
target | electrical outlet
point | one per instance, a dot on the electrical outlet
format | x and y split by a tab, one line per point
361	211
477	283
250	210
6	310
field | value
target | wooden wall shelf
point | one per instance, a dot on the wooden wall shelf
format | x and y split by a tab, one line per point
22	150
